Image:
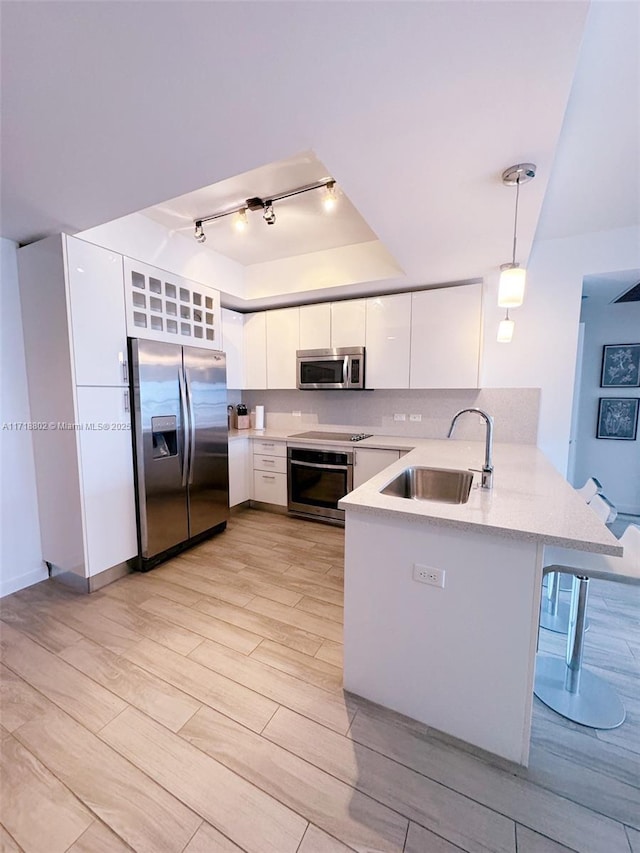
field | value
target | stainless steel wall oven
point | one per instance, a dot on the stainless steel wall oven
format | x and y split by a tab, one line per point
317	479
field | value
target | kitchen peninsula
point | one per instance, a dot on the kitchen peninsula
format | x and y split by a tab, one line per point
460	656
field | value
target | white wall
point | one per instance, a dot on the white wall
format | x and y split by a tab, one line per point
543	351
615	463
139	237
21	560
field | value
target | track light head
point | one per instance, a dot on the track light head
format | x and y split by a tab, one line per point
269	215
199	233
330	198
240	221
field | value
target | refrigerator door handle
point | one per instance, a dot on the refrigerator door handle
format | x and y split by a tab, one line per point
192	426
185	426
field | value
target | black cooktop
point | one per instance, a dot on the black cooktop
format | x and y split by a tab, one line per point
319	435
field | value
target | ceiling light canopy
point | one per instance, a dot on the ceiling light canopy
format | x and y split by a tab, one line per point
241	221
513	277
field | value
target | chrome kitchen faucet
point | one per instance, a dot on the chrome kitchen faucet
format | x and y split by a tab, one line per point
487	468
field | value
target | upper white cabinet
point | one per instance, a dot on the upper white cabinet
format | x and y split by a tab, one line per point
388	341
96	300
283	338
255	350
315	326
348	323
162	306
232	344
445	337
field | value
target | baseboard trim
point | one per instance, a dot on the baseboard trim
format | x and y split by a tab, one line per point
23	581
87	585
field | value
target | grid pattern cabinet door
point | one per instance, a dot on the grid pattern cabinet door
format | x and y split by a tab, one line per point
388	341
106	459
315	326
255	350
445	337
233	345
370	461
283	338
348	323
96	306
162	306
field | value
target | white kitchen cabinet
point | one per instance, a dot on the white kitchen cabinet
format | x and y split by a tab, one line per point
96	304
240	471
106	461
445	337
163	306
315	326
283	337
232	344
369	461
255	350
270	472
388	341
348	323
84	472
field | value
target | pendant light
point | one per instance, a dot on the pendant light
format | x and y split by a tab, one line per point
505	330
513	276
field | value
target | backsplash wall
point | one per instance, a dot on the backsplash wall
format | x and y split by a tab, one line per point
515	411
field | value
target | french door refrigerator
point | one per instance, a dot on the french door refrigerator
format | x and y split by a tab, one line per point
180	440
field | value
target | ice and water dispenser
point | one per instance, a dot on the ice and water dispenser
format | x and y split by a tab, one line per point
164	434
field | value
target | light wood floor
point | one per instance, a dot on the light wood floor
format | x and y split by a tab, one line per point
199	707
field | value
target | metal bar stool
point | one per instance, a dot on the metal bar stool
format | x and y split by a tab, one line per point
565	686
554	613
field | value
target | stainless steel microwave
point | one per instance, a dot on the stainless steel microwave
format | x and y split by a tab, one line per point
330	368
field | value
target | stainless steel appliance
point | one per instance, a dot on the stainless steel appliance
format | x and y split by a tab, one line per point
180	446
317	478
330	368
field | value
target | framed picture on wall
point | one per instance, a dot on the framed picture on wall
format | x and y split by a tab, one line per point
620	366
618	418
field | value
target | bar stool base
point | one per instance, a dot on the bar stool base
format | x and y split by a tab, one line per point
558	623
595	705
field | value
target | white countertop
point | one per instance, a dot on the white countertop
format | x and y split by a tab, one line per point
530	500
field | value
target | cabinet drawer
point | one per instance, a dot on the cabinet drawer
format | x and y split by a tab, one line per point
264	462
270	488
270	448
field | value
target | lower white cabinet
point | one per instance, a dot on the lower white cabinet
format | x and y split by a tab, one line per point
270	472
108	493
240	472
369	461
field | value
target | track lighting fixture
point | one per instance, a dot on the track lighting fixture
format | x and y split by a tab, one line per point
505	330
513	276
240	219
330	197
269	215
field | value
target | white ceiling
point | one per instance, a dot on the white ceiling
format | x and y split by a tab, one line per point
414	108
605	289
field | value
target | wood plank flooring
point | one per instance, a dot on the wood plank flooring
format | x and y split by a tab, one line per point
199	708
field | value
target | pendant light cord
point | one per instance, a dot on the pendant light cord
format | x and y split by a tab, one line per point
515	220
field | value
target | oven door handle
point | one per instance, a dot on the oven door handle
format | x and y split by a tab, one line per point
320	465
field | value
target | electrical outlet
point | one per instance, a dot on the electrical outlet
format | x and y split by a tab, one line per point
399	417
297	414
416	418
427	574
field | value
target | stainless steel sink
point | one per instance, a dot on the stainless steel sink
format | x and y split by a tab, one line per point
446	485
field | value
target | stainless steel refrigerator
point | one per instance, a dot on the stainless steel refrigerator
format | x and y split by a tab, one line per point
180	441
